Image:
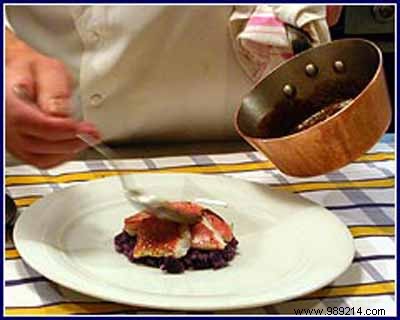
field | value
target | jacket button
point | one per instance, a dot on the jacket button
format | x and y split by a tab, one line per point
93	36
96	99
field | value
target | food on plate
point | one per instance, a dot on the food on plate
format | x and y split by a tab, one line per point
175	247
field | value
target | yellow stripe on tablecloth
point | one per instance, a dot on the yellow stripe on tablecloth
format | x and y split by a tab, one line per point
356	231
106	307
355	184
299	187
13	180
26	201
380	156
367	231
63	178
71	308
365	289
12	254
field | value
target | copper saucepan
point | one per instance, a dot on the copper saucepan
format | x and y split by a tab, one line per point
341	70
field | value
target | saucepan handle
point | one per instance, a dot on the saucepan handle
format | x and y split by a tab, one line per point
299	39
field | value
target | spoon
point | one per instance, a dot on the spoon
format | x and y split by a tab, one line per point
150	203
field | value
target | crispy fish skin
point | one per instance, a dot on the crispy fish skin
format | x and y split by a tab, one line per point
160	238
187	209
211	233
163	238
133	223
205	238
219	225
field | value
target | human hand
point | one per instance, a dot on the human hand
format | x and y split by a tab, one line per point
41	134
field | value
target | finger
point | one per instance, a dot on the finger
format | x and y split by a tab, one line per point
53	83
38	160
38	124
34	122
39	146
26	116
20	76
90	129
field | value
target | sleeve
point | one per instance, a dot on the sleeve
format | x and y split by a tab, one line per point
7	23
260	37
311	18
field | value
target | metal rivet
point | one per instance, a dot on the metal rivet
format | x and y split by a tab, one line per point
289	90
311	70
339	66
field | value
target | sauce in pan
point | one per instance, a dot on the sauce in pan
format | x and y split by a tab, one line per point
321	115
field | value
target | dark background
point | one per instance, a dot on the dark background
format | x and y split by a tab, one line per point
375	23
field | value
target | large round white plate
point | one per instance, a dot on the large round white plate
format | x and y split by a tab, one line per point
288	246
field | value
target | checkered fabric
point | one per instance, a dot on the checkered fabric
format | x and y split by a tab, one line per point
362	195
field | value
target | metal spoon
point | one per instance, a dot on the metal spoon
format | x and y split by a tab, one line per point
151	203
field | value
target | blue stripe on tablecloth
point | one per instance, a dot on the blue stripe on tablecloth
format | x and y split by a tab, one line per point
9	283
374	257
333	208
95	171
274	173
252	156
150	164
202	160
387	138
292	185
96	165
361	205
53	186
373	272
374	213
280	177
385	171
377	215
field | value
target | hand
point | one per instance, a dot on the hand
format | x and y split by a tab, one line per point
42	135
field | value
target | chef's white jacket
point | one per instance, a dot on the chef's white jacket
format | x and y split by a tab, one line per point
147	72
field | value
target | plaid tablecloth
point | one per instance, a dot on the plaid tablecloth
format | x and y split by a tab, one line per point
362	195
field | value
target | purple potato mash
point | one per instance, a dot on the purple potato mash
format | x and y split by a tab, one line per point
194	259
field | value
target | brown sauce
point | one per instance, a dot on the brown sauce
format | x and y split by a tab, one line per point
321	115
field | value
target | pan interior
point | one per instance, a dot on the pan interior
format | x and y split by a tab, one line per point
268	113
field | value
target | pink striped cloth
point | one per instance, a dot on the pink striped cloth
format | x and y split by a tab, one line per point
260	37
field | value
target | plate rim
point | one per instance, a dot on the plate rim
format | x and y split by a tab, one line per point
52	276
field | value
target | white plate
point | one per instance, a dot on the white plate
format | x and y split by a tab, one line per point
288	246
